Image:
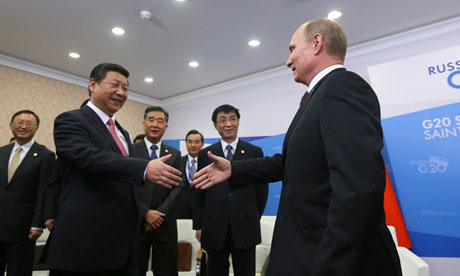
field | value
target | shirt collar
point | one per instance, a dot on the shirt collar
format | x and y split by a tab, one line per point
322	74
26	147
100	113
233	144
191	158
149	144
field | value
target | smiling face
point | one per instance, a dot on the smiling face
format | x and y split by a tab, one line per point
110	93
24	127
301	57
155	126
227	125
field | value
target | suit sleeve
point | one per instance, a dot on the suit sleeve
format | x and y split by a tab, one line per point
47	168
198	194
256	171
351	132
170	205
75	145
261	189
52	194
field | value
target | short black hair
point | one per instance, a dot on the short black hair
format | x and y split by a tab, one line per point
100	72
194	131
26	111
138	137
226	108
156	108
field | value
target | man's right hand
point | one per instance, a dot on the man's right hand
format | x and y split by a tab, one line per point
154	218
198	235
219	171
49	224
160	173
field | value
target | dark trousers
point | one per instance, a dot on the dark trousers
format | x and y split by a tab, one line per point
17	256
164	256
243	260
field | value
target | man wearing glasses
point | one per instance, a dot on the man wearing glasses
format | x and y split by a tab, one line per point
228	221
25	171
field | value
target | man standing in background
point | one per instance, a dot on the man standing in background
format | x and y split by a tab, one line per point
25	171
194	142
94	231
228	221
157	205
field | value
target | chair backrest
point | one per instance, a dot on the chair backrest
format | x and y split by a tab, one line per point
393	234
185	233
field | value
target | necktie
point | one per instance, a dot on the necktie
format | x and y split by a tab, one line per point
14	163
304	97
192	170
229	153
154	154
115	137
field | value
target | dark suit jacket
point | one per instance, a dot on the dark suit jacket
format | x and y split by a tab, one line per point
21	200
330	217
219	206
96	220
156	197
185	208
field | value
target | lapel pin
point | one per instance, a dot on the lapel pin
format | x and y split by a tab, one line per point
166	150
242	151
35	154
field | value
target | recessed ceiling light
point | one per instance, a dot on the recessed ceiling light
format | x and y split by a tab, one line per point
181	0
148	79
333	15
118	31
254	43
193	64
74	55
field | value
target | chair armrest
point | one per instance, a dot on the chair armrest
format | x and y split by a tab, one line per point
411	264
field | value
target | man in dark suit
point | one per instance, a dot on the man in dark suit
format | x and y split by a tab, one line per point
95	226
228	221
157	205
330	218
25	171
194	142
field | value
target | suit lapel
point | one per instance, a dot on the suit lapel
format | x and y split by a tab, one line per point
300	112
217	149
95	121
240	151
33	153
142	151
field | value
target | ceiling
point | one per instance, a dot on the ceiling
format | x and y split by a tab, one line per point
213	32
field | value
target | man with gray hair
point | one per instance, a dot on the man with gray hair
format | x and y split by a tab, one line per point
330	219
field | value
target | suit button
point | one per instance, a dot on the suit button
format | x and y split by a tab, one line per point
229	194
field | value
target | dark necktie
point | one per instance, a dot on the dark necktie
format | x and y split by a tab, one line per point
229	153
113	132
154	154
304	97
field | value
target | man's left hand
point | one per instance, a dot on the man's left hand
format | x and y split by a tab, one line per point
34	234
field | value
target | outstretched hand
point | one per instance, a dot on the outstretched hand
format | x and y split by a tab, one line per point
160	173
219	171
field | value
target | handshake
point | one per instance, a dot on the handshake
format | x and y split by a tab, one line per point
160	173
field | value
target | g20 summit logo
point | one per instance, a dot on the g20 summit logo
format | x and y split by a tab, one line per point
433	165
453	68
450	79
